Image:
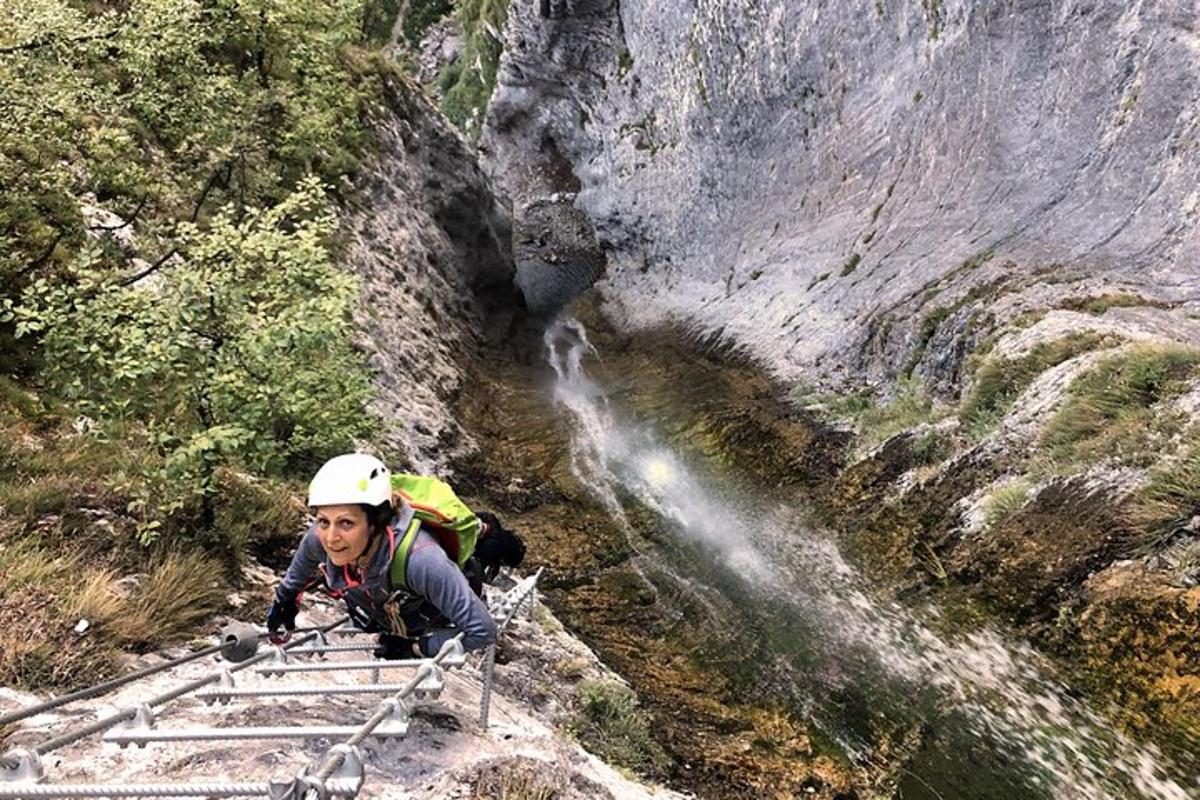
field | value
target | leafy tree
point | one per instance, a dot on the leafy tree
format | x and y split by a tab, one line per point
166	228
238	352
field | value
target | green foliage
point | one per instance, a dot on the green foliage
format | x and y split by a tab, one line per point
420	15
909	407
237	352
1112	411
929	325
609	723
468	82
999	381
162	111
378	18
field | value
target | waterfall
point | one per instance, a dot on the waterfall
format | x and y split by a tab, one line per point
975	688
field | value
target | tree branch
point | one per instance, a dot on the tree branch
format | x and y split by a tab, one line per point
49	39
141	204
37	262
132	279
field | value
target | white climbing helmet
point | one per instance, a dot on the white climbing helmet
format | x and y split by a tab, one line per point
349	479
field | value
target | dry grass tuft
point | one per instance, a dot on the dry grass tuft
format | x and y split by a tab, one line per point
516	779
178	592
43	595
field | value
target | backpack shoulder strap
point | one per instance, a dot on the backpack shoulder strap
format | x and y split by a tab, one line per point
399	570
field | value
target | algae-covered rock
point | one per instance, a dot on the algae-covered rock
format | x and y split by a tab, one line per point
1136	639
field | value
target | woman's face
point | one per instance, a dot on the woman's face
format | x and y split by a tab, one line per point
343	531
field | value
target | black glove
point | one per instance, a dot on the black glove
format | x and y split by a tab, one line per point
282	614
497	546
394	648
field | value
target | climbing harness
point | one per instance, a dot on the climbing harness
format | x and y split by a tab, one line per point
340	772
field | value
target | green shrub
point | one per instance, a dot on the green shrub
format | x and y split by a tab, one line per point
421	14
240	353
609	723
468	82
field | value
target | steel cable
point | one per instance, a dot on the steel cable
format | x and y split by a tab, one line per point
106	722
334	786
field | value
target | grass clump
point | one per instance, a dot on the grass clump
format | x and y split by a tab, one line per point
1113	410
609	723
177	593
909	407
999	381
1099	304
1004	502
1165	506
516	779
44	592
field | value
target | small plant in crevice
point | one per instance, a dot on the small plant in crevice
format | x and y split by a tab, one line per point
624	62
609	723
851	264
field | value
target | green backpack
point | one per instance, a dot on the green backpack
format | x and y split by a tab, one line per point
440	511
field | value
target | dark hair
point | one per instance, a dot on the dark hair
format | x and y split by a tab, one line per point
378	516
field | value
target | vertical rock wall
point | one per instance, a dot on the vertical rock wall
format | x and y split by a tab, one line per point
433	250
812	179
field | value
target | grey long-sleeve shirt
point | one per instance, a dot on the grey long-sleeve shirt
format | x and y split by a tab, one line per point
438	606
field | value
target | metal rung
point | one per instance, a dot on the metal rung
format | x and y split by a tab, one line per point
332	648
221	695
340	787
143	737
338	666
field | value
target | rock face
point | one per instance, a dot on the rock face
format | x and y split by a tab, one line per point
814	179
433	250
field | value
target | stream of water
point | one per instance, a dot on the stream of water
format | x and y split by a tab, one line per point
988	721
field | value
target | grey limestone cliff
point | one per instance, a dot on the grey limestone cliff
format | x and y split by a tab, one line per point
432	247
813	180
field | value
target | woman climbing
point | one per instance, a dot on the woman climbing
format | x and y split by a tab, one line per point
407	569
